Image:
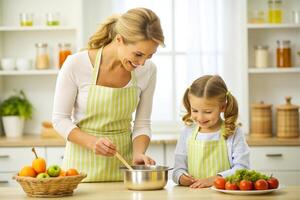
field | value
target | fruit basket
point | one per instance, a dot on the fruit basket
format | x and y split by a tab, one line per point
49	187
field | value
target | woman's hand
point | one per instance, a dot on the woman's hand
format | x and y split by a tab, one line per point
203	183
104	147
186	180
140	159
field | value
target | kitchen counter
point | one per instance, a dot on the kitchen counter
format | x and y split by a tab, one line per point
116	190
36	140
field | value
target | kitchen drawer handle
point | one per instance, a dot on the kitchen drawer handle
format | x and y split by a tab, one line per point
4	156
1	182
274	155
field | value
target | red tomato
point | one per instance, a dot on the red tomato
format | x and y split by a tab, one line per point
261	184
273	183
231	186
246	185
219	183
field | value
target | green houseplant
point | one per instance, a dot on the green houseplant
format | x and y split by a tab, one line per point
14	111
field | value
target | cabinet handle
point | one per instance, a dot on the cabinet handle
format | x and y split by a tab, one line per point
4	156
62	157
1	182
274	155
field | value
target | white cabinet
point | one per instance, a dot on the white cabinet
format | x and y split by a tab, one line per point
282	162
156	152
271	84
55	155
170	149
19	42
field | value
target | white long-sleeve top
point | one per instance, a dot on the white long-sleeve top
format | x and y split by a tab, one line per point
237	149
71	93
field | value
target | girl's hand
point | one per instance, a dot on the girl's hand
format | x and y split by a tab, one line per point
186	180
104	147
203	183
140	159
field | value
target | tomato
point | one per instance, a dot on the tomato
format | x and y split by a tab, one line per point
219	183
231	186
273	183
261	184
246	185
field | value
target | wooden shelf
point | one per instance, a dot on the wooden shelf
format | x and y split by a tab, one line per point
29	72
273	70
272	26
36	28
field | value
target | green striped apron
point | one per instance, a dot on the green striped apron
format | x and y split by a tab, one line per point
108	114
207	158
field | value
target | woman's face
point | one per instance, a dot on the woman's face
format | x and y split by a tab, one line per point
206	113
135	55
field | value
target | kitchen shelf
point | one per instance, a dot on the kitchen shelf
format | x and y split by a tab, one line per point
29	72
273	70
272	26
37	28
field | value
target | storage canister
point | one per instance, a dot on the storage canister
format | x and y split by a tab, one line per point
261	56
261	120
287	120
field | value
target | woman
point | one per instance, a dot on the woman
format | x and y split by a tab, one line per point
98	90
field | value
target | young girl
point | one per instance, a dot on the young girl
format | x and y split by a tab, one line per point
209	146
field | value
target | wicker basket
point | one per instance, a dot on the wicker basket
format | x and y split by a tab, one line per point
49	187
287	120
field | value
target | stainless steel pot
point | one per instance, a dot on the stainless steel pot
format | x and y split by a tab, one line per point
143	177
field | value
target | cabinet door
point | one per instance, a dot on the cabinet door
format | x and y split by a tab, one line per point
6	179
55	155
12	159
156	152
285	177
170	149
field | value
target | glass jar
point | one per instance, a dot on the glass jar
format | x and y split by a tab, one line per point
257	17
52	19
275	11
64	52
42	57
26	19
283	53
261	56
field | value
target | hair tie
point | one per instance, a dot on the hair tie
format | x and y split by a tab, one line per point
227	93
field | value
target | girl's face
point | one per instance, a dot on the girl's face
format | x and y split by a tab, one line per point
135	55
206	112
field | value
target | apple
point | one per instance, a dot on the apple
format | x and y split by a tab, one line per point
42	175
54	170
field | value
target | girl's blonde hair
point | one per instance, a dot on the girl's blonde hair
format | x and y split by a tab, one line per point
135	25
213	87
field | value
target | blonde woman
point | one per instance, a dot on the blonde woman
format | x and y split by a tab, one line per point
99	89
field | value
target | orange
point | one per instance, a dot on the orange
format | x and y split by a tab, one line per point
62	173
27	171
72	172
39	165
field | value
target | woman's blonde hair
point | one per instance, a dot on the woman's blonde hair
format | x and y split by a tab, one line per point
213	87
135	25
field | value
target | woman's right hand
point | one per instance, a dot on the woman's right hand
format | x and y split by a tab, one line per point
103	146
186	180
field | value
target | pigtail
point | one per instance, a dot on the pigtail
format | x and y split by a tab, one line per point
230	115
186	102
105	34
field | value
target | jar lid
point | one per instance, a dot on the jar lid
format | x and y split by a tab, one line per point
64	45
261	47
262	105
275	1
288	105
41	44
283	41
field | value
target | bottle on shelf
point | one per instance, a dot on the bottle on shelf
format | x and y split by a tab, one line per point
52	19
284	53
64	52
26	19
275	11
42	57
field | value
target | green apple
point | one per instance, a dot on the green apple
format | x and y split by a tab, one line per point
42	175
53	170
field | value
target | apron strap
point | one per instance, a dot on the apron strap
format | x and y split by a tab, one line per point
96	66
196	129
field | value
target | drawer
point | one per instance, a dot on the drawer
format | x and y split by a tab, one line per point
285	177
275	158
6	179
13	159
55	155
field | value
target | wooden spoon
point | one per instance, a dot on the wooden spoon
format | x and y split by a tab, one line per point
123	161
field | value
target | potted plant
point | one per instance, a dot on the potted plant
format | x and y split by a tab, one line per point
14	111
